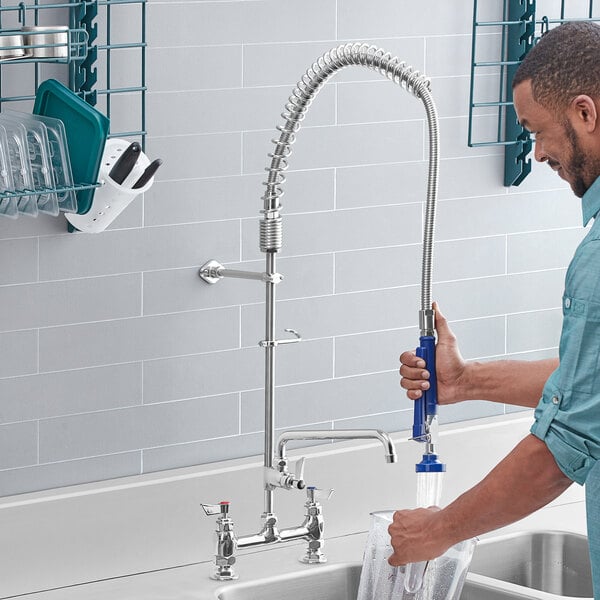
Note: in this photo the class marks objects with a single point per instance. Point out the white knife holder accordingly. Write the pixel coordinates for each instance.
(111, 199)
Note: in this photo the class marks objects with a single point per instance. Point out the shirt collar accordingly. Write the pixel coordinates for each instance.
(591, 202)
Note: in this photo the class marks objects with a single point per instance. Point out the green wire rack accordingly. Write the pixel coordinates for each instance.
(515, 29)
(79, 67)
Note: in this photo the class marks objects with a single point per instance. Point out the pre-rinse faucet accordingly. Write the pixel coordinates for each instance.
(312, 527)
(276, 474)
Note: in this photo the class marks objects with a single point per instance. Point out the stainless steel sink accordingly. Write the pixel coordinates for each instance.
(483, 591)
(552, 565)
(555, 562)
(339, 582)
(335, 582)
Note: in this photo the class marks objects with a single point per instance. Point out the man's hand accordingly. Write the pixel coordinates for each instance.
(450, 366)
(415, 536)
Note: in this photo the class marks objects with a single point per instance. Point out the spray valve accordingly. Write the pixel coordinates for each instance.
(425, 410)
(426, 405)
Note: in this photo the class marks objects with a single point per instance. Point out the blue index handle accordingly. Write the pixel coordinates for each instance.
(426, 405)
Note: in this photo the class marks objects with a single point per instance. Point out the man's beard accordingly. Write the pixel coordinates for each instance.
(582, 169)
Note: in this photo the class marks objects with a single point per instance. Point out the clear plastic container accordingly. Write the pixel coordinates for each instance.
(58, 156)
(41, 171)
(378, 578)
(444, 577)
(8, 204)
(20, 165)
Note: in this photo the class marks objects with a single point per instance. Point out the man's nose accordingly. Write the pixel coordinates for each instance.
(539, 153)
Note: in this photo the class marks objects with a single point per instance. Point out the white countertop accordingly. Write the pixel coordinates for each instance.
(146, 537)
(192, 582)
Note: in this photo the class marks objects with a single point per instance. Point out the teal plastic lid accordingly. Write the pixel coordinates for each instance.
(86, 130)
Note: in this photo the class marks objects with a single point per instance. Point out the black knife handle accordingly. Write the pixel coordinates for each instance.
(125, 163)
(147, 174)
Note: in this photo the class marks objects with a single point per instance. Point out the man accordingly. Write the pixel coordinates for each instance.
(556, 94)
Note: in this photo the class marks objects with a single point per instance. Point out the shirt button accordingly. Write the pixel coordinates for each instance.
(567, 302)
(555, 399)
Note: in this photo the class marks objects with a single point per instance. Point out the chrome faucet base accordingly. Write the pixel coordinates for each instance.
(313, 558)
(224, 575)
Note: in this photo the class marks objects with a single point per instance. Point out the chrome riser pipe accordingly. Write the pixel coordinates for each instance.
(269, 378)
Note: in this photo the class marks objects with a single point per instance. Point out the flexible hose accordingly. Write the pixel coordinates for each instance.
(298, 103)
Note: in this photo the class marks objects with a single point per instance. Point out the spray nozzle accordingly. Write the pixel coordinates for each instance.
(430, 464)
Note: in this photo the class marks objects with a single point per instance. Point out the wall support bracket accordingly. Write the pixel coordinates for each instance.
(520, 39)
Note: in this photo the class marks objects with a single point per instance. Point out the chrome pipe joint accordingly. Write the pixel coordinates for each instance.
(280, 477)
(314, 524)
(427, 322)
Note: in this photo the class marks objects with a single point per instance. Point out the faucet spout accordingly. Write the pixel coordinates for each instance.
(340, 434)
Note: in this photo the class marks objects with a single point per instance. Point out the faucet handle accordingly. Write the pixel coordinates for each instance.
(315, 494)
(298, 477)
(216, 509)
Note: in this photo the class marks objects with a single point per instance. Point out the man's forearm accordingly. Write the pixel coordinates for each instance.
(527, 479)
(517, 382)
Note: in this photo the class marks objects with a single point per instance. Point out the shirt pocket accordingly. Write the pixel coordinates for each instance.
(579, 345)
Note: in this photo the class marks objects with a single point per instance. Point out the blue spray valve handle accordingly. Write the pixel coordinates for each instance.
(428, 343)
(426, 405)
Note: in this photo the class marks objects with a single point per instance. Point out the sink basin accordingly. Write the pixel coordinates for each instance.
(339, 582)
(320, 582)
(481, 591)
(529, 565)
(555, 562)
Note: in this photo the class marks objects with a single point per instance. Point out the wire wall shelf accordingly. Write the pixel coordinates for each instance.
(503, 33)
(87, 61)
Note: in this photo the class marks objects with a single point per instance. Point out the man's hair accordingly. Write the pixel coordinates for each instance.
(563, 64)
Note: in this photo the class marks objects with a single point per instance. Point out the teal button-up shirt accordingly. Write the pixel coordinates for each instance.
(567, 417)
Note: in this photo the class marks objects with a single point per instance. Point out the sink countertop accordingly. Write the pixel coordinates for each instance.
(192, 582)
(144, 537)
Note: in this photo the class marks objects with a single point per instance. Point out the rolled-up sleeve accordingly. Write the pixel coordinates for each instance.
(567, 417)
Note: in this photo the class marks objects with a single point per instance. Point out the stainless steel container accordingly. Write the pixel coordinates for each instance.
(47, 42)
(11, 47)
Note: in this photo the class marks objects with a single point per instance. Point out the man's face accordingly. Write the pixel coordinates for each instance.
(556, 141)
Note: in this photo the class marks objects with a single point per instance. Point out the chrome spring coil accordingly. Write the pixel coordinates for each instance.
(295, 110)
(271, 232)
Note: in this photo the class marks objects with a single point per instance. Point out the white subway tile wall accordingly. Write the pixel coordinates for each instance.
(116, 359)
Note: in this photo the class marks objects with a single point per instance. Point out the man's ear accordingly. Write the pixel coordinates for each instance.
(583, 109)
